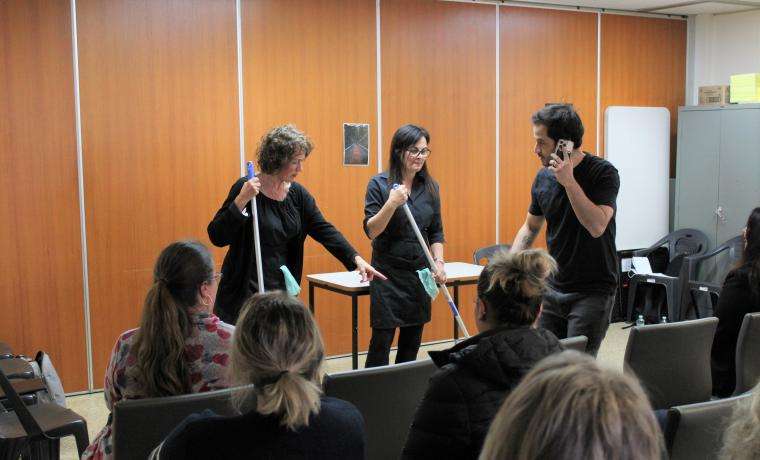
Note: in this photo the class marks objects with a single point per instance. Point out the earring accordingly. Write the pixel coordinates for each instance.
(204, 303)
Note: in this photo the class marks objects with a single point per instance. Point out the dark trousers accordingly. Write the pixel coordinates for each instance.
(573, 314)
(409, 339)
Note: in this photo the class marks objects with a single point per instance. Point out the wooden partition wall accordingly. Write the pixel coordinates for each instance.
(161, 132)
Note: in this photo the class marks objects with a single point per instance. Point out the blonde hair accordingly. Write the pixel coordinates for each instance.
(277, 347)
(741, 440)
(568, 407)
(512, 284)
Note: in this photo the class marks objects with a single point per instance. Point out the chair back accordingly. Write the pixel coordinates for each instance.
(139, 425)
(488, 252)
(696, 430)
(706, 274)
(747, 354)
(387, 397)
(672, 360)
(577, 343)
(30, 425)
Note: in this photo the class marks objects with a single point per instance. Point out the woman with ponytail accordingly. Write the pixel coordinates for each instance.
(477, 374)
(740, 295)
(180, 347)
(277, 348)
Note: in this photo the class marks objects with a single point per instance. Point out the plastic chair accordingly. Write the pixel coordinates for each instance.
(680, 244)
(16, 368)
(706, 274)
(135, 439)
(696, 430)
(35, 431)
(387, 397)
(488, 252)
(747, 353)
(672, 360)
(577, 343)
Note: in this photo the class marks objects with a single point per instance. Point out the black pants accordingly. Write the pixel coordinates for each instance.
(573, 314)
(409, 339)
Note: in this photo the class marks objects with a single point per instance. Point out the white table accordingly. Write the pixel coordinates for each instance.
(349, 283)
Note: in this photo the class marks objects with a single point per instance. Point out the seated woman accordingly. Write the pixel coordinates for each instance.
(476, 375)
(741, 440)
(180, 346)
(740, 295)
(569, 407)
(278, 348)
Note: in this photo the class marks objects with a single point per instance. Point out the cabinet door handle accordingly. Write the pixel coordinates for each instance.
(721, 213)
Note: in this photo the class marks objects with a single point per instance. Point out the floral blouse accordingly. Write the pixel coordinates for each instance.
(206, 351)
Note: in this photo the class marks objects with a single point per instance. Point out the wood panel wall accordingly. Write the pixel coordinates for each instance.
(439, 71)
(40, 238)
(313, 64)
(558, 64)
(644, 64)
(160, 140)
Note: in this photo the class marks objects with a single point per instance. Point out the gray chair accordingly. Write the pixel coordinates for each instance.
(695, 431)
(706, 274)
(681, 244)
(672, 361)
(577, 343)
(387, 397)
(748, 354)
(139, 425)
(488, 252)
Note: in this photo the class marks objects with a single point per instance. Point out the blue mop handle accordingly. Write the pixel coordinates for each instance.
(256, 241)
(431, 262)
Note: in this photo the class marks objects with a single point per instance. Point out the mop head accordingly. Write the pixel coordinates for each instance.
(291, 285)
(426, 278)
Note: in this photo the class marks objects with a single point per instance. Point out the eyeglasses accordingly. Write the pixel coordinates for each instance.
(414, 152)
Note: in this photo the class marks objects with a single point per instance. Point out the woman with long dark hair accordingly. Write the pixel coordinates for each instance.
(740, 295)
(401, 302)
(180, 347)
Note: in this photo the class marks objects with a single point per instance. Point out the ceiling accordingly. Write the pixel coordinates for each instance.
(661, 6)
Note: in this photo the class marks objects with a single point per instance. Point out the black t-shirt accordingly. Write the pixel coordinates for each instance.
(586, 264)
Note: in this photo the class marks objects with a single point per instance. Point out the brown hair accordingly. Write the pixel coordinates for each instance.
(568, 407)
(278, 347)
(512, 284)
(159, 345)
(279, 146)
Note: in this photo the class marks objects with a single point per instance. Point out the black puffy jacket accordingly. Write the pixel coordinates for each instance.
(464, 395)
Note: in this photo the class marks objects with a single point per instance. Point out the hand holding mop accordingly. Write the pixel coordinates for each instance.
(256, 241)
(426, 278)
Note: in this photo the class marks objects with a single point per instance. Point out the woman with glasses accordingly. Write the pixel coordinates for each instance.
(180, 346)
(287, 214)
(402, 301)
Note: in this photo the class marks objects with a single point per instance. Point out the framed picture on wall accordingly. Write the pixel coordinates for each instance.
(355, 144)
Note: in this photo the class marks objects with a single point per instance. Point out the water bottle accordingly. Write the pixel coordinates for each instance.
(640, 320)
(663, 320)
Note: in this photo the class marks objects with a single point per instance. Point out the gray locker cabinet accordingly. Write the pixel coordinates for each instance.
(718, 169)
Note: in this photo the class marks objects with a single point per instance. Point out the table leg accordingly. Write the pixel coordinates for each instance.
(311, 297)
(355, 331)
(456, 302)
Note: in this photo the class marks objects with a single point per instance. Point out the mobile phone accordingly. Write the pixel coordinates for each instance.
(564, 147)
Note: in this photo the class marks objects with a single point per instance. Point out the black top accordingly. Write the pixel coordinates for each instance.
(337, 432)
(283, 228)
(396, 252)
(474, 378)
(735, 301)
(586, 264)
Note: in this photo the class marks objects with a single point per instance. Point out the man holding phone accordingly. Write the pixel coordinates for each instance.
(575, 193)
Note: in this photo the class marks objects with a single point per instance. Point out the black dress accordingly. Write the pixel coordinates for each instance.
(283, 228)
(401, 300)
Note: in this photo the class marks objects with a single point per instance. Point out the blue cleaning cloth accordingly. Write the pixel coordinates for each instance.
(426, 278)
(291, 285)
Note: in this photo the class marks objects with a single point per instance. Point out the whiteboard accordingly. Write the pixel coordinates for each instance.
(637, 143)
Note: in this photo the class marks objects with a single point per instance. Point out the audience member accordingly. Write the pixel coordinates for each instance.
(741, 441)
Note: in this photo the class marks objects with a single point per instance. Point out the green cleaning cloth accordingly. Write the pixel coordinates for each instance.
(291, 285)
(426, 278)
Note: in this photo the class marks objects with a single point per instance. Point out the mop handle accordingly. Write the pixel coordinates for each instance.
(256, 240)
(431, 262)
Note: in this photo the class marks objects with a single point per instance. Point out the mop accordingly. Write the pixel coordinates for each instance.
(426, 278)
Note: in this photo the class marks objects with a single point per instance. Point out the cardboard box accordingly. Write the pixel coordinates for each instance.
(745, 87)
(714, 95)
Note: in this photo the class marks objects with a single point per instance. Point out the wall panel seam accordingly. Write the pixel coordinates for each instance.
(241, 102)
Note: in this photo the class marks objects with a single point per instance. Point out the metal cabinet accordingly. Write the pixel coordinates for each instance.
(718, 169)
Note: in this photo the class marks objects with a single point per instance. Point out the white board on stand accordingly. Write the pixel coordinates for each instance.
(637, 143)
